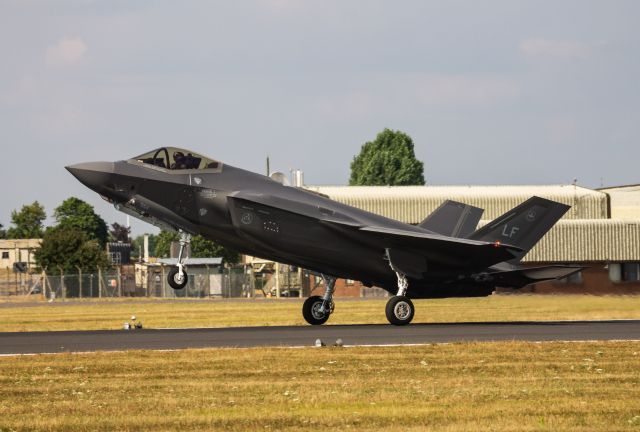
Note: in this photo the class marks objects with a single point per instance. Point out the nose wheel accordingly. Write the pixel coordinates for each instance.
(177, 277)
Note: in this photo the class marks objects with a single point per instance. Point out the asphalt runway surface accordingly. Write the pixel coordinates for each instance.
(376, 334)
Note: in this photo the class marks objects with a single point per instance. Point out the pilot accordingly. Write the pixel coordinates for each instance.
(179, 160)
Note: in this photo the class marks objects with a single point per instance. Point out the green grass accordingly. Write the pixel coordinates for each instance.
(111, 314)
(506, 386)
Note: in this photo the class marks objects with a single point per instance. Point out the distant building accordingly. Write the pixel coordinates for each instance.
(205, 279)
(18, 251)
(119, 253)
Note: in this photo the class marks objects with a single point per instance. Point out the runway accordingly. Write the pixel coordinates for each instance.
(165, 339)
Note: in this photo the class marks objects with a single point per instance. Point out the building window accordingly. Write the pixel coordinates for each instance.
(624, 272)
(5, 255)
(575, 279)
(630, 272)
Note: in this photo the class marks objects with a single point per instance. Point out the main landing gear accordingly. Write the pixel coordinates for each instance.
(316, 309)
(399, 308)
(177, 277)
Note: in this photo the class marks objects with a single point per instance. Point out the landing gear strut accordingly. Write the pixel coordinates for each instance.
(400, 309)
(177, 277)
(316, 309)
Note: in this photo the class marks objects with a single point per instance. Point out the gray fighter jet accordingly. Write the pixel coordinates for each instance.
(444, 256)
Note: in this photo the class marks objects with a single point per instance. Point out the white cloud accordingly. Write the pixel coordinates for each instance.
(61, 120)
(562, 128)
(464, 89)
(67, 52)
(540, 47)
(404, 94)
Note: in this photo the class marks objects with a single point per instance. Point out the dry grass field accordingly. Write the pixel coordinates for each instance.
(508, 386)
(110, 314)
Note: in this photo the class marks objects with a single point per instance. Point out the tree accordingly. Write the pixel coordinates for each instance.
(388, 160)
(69, 248)
(163, 243)
(3, 232)
(75, 213)
(137, 245)
(200, 247)
(28, 222)
(119, 233)
(203, 248)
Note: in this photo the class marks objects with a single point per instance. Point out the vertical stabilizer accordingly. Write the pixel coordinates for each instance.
(453, 219)
(524, 225)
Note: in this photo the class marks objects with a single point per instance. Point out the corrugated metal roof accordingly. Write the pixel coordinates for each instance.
(625, 201)
(411, 204)
(589, 240)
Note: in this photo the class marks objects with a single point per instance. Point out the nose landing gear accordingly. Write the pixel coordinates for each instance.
(177, 277)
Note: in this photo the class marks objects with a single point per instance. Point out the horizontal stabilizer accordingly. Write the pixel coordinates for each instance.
(524, 225)
(453, 219)
(526, 276)
(448, 251)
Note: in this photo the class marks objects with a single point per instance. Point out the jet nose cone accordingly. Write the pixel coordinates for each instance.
(92, 174)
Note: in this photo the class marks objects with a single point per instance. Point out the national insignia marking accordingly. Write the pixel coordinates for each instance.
(246, 218)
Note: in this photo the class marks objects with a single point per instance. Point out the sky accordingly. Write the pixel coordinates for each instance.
(492, 92)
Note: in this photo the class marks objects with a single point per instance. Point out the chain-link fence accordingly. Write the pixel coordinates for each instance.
(150, 280)
(130, 281)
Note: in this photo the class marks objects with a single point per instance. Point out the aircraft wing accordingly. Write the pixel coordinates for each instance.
(448, 251)
(295, 207)
(415, 252)
(520, 277)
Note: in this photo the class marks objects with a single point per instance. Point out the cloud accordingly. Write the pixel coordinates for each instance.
(279, 4)
(404, 94)
(540, 47)
(67, 52)
(465, 89)
(61, 120)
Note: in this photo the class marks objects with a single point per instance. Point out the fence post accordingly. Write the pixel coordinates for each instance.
(44, 284)
(208, 281)
(63, 288)
(99, 282)
(79, 281)
(277, 280)
(162, 281)
(119, 282)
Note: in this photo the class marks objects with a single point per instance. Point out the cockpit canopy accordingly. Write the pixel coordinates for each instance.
(173, 158)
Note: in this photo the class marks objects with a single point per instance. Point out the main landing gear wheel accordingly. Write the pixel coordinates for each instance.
(400, 310)
(176, 280)
(313, 312)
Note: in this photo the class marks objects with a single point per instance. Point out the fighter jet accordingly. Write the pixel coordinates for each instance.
(443, 256)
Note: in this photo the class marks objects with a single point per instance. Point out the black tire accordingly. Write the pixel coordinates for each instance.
(400, 310)
(174, 281)
(310, 311)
